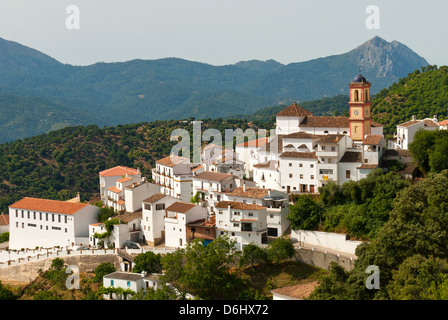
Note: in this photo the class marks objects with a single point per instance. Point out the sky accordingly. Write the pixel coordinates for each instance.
(220, 32)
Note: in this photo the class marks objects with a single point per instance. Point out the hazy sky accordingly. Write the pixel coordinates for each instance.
(221, 31)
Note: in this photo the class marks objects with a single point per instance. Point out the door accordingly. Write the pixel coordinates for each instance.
(312, 188)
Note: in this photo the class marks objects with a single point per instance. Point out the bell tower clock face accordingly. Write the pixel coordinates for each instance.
(356, 112)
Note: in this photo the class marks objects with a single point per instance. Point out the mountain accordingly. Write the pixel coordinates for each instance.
(381, 62)
(172, 88)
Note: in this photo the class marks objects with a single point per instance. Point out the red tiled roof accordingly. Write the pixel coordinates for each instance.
(171, 161)
(119, 171)
(124, 179)
(181, 207)
(326, 121)
(299, 155)
(4, 219)
(213, 176)
(154, 198)
(254, 143)
(331, 138)
(294, 110)
(299, 291)
(46, 205)
(114, 189)
(351, 156)
(372, 139)
(250, 192)
(239, 205)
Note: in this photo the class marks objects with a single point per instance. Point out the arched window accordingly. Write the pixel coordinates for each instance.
(356, 97)
(345, 132)
(325, 131)
(366, 94)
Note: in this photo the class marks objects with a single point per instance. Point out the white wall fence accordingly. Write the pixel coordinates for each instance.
(13, 258)
(328, 240)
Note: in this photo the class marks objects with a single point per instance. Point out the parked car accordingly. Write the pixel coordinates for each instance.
(131, 245)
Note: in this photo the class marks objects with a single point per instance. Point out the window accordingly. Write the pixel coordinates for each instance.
(312, 176)
(46, 216)
(311, 165)
(59, 218)
(236, 213)
(333, 148)
(347, 174)
(236, 224)
(323, 148)
(65, 219)
(220, 211)
(40, 215)
(52, 217)
(301, 176)
(111, 283)
(22, 213)
(250, 214)
(34, 215)
(290, 175)
(55, 228)
(290, 164)
(28, 214)
(160, 206)
(300, 165)
(17, 213)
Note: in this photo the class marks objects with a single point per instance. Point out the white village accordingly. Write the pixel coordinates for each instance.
(241, 192)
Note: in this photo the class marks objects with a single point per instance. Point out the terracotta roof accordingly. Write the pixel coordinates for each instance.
(351, 156)
(430, 123)
(154, 198)
(302, 146)
(124, 179)
(267, 164)
(397, 152)
(289, 146)
(121, 202)
(171, 161)
(4, 219)
(181, 207)
(325, 121)
(299, 291)
(114, 189)
(256, 193)
(294, 110)
(331, 138)
(375, 124)
(372, 139)
(239, 205)
(119, 171)
(409, 167)
(254, 143)
(299, 155)
(301, 135)
(213, 176)
(197, 168)
(443, 123)
(367, 166)
(128, 216)
(46, 205)
(408, 123)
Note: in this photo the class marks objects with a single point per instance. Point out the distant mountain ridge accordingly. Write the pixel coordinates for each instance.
(173, 88)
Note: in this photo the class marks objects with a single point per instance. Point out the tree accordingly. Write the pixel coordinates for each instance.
(6, 294)
(252, 254)
(304, 214)
(148, 262)
(280, 249)
(196, 198)
(102, 270)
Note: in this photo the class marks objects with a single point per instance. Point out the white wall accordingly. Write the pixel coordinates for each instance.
(331, 241)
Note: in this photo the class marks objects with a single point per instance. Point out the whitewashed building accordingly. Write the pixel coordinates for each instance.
(407, 130)
(173, 174)
(276, 204)
(47, 223)
(153, 218)
(211, 187)
(137, 282)
(177, 216)
(244, 222)
(109, 177)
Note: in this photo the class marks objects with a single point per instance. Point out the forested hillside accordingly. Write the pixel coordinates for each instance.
(59, 164)
(423, 93)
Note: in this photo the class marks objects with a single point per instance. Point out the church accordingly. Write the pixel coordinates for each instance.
(309, 151)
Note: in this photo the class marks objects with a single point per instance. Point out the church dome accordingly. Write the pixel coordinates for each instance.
(359, 78)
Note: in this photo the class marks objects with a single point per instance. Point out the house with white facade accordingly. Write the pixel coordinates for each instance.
(276, 203)
(266, 175)
(407, 130)
(212, 186)
(244, 222)
(247, 152)
(128, 229)
(177, 216)
(153, 218)
(109, 177)
(47, 223)
(173, 174)
(4, 223)
(137, 282)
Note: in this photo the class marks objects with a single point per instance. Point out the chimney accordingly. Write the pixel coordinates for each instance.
(414, 117)
(78, 197)
(244, 186)
(435, 117)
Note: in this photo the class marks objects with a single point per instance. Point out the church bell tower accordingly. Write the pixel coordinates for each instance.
(360, 121)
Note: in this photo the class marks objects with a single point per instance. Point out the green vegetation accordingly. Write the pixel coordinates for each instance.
(4, 237)
(358, 209)
(430, 150)
(423, 93)
(409, 249)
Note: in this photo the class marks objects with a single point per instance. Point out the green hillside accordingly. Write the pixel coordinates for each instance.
(423, 93)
